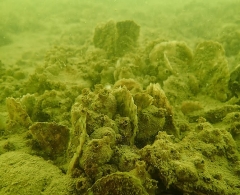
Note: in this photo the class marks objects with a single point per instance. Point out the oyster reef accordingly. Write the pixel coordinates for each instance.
(135, 99)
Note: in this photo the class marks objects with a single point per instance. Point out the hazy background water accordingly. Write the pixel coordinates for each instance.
(41, 23)
(31, 28)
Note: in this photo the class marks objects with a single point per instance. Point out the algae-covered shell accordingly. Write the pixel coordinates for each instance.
(126, 157)
(127, 108)
(131, 84)
(104, 102)
(105, 37)
(170, 57)
(160, 100)
(151, 120)
(116, 38)
(172, 49)
(142, 100)
(118, 183)
(234, 82)
(211, 68)
(17, 113)
(52, 137)
(230, 38)
(97, 152)
(104, 132)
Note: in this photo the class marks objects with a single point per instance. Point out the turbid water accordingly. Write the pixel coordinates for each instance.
(119, 97)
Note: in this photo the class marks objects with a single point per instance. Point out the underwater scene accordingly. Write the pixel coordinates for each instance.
(117, 97)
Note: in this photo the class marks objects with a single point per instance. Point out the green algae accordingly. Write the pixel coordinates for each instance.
(112, 110)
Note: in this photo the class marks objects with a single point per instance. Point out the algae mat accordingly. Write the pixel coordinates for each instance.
(119, 97)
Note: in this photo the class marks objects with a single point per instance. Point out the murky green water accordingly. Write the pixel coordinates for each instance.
(119, 97)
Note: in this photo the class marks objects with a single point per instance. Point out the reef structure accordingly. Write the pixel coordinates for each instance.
(131, 119)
